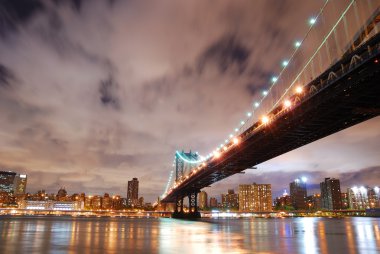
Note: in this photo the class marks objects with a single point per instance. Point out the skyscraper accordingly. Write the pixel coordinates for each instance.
(7, 181)
(213, 202)
(133, 192)
(230, 200)
(202, 200)
(298, 193)
(20, 184)
(255, 198)
(331, 195)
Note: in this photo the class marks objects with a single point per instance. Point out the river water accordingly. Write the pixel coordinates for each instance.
(23, 234)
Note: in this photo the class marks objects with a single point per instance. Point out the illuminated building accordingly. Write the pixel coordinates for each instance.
(141, 202)
(363, 197)
(298, 193)
(255, 198)
(107, 202)
(96, 202)
(213, 202)
(345, 203)
(331, 195)
(88, 203)
(314, 202)
(52, 205)
(20, 184)
(284, 202)
(202, 200)
(230, 200)
(133, 192)
(7, 181)
(117, 202)
(62, 194)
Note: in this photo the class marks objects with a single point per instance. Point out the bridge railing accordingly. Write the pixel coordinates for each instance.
(341, 26)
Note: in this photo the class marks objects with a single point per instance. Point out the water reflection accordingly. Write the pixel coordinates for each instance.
(152, 235)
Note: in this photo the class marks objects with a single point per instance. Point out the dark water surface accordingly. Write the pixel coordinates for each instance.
(162, 235)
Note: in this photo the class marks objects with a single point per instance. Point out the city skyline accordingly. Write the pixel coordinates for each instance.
(128, 114)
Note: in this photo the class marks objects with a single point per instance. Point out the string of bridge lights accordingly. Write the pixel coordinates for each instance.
(234, 139)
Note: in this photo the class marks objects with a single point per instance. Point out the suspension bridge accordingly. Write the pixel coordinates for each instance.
(330, 82)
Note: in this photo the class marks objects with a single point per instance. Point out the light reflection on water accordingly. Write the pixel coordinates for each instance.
(152, 235)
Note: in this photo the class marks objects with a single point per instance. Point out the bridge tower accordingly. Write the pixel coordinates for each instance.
(184, 162)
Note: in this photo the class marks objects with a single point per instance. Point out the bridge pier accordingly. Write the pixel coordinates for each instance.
(193, 207)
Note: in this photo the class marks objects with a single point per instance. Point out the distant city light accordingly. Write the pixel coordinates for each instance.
(304, 179)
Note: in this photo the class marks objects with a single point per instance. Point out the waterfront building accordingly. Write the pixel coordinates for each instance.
(314, 202)
(96, 202)
(202, 200)
(331, 195)
(88, 202)
(52, 205)
(7, 182)
(213, 202)
(283, 202)
(298, 193)
(62, 194)
(255, 198)
(141, 202)
(345, 203)
(117, 202)
(363, 198)
(230, 200)
(133, 192)
(107, 202)
(20, 184)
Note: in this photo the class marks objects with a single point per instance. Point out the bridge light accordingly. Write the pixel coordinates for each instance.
(216, 154)
(226, 141)
(312, 21)
(287, 103)
(274, 79)
(249, 114)
(265, 119)
(265, 93)
(256, 104)
(231, 135)
(297, 44)
(236, 141)
(285, 63)
(299, 89)
(225, 148)
(204, 164)
(242, 122)
(236, 129)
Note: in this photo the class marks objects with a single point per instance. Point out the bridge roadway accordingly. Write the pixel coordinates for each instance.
(344, 95)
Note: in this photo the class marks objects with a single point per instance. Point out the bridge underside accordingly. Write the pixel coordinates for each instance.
(350, 97)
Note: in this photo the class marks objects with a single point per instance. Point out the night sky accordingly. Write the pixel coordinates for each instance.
(93, 93)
